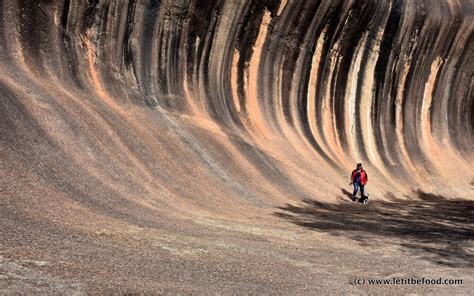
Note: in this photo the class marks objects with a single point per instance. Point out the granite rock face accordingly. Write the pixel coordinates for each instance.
(124, 118)
(104, 86)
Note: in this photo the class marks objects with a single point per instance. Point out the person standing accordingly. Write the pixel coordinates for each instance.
(359, 178)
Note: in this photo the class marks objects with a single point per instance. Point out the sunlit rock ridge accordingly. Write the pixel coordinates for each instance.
(145, 108)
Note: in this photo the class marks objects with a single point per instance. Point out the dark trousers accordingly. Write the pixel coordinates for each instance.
(356, 188)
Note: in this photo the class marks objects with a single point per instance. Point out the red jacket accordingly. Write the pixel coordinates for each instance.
(363, 176)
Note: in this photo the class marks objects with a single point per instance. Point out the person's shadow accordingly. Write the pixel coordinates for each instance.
(347, 193)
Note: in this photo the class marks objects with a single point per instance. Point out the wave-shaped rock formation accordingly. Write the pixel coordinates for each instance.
(127, 113)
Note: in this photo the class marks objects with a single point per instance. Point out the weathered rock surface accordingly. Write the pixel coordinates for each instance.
(162, 146)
